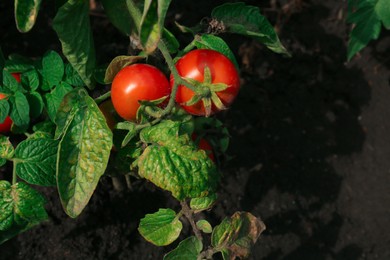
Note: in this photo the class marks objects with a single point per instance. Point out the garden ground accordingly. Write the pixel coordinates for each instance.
(310, 148)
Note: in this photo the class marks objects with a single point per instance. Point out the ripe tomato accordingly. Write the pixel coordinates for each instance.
(204, 145)
(109, 113)
(5, 126)
(134, 83)
(222, 70)
(16, 76)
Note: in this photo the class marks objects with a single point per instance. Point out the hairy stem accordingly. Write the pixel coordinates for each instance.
(188, 213)
(14, 176)
(103, 97)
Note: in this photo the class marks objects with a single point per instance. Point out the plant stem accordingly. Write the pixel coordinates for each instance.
(207, 254)
(103, 97)
(14, 176)
(188, 213)
(189, 47)
(178, 80)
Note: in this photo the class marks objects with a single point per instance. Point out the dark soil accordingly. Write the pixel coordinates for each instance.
(310, 146)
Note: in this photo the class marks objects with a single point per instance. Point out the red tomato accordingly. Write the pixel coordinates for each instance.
(134, 83)
(192, 65)
(16, 76)
(5, 126)
(205, 146)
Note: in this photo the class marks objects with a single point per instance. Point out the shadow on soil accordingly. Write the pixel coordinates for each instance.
(294, 116)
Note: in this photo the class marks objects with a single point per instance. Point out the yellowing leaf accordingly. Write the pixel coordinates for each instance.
(83, 152)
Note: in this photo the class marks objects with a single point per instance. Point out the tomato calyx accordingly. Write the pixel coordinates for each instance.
(206, 92)
(151, 107)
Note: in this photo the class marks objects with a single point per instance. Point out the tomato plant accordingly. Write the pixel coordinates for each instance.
(204, 145)
(215, 78)
(16, 76)
(367, 17)
(64, 111)
(136, 83)
(5, 126)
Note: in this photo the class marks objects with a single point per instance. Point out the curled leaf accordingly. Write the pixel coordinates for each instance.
(235, 235)
(173, 162)
(84, 149)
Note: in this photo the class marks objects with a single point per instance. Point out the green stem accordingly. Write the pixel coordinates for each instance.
(189, 47)
(177, 78)
(135, 13)
(14, 176)
(103, 97)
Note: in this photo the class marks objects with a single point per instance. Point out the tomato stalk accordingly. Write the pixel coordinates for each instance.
(188, 213)
(103, 97)
(14, 176)
(178, 81)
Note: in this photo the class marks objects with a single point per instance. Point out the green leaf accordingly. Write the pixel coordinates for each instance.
(30, 79)
(20, 109)
(20, 206)
(36, 104)
(74, 31)
(382, 8)
(52, 69)
(152, 23)
(367, 19)
(6, 149)
(188, 249)
(204, 203)
(212, 42)
(4, 109)
(83, 152)
(119, 63)
(119, 16)
(18, 63)
(35, 161)
(54, 99)
(205, 226)
(235, 235)
(132, 131)
(173, 162)
(160, 228)
(100, 73)
(246, 20)
(9, 82)
(43, 129)
(72, 77)
(126, 156)
(26, 12)
(220, 138)
(170, 41)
